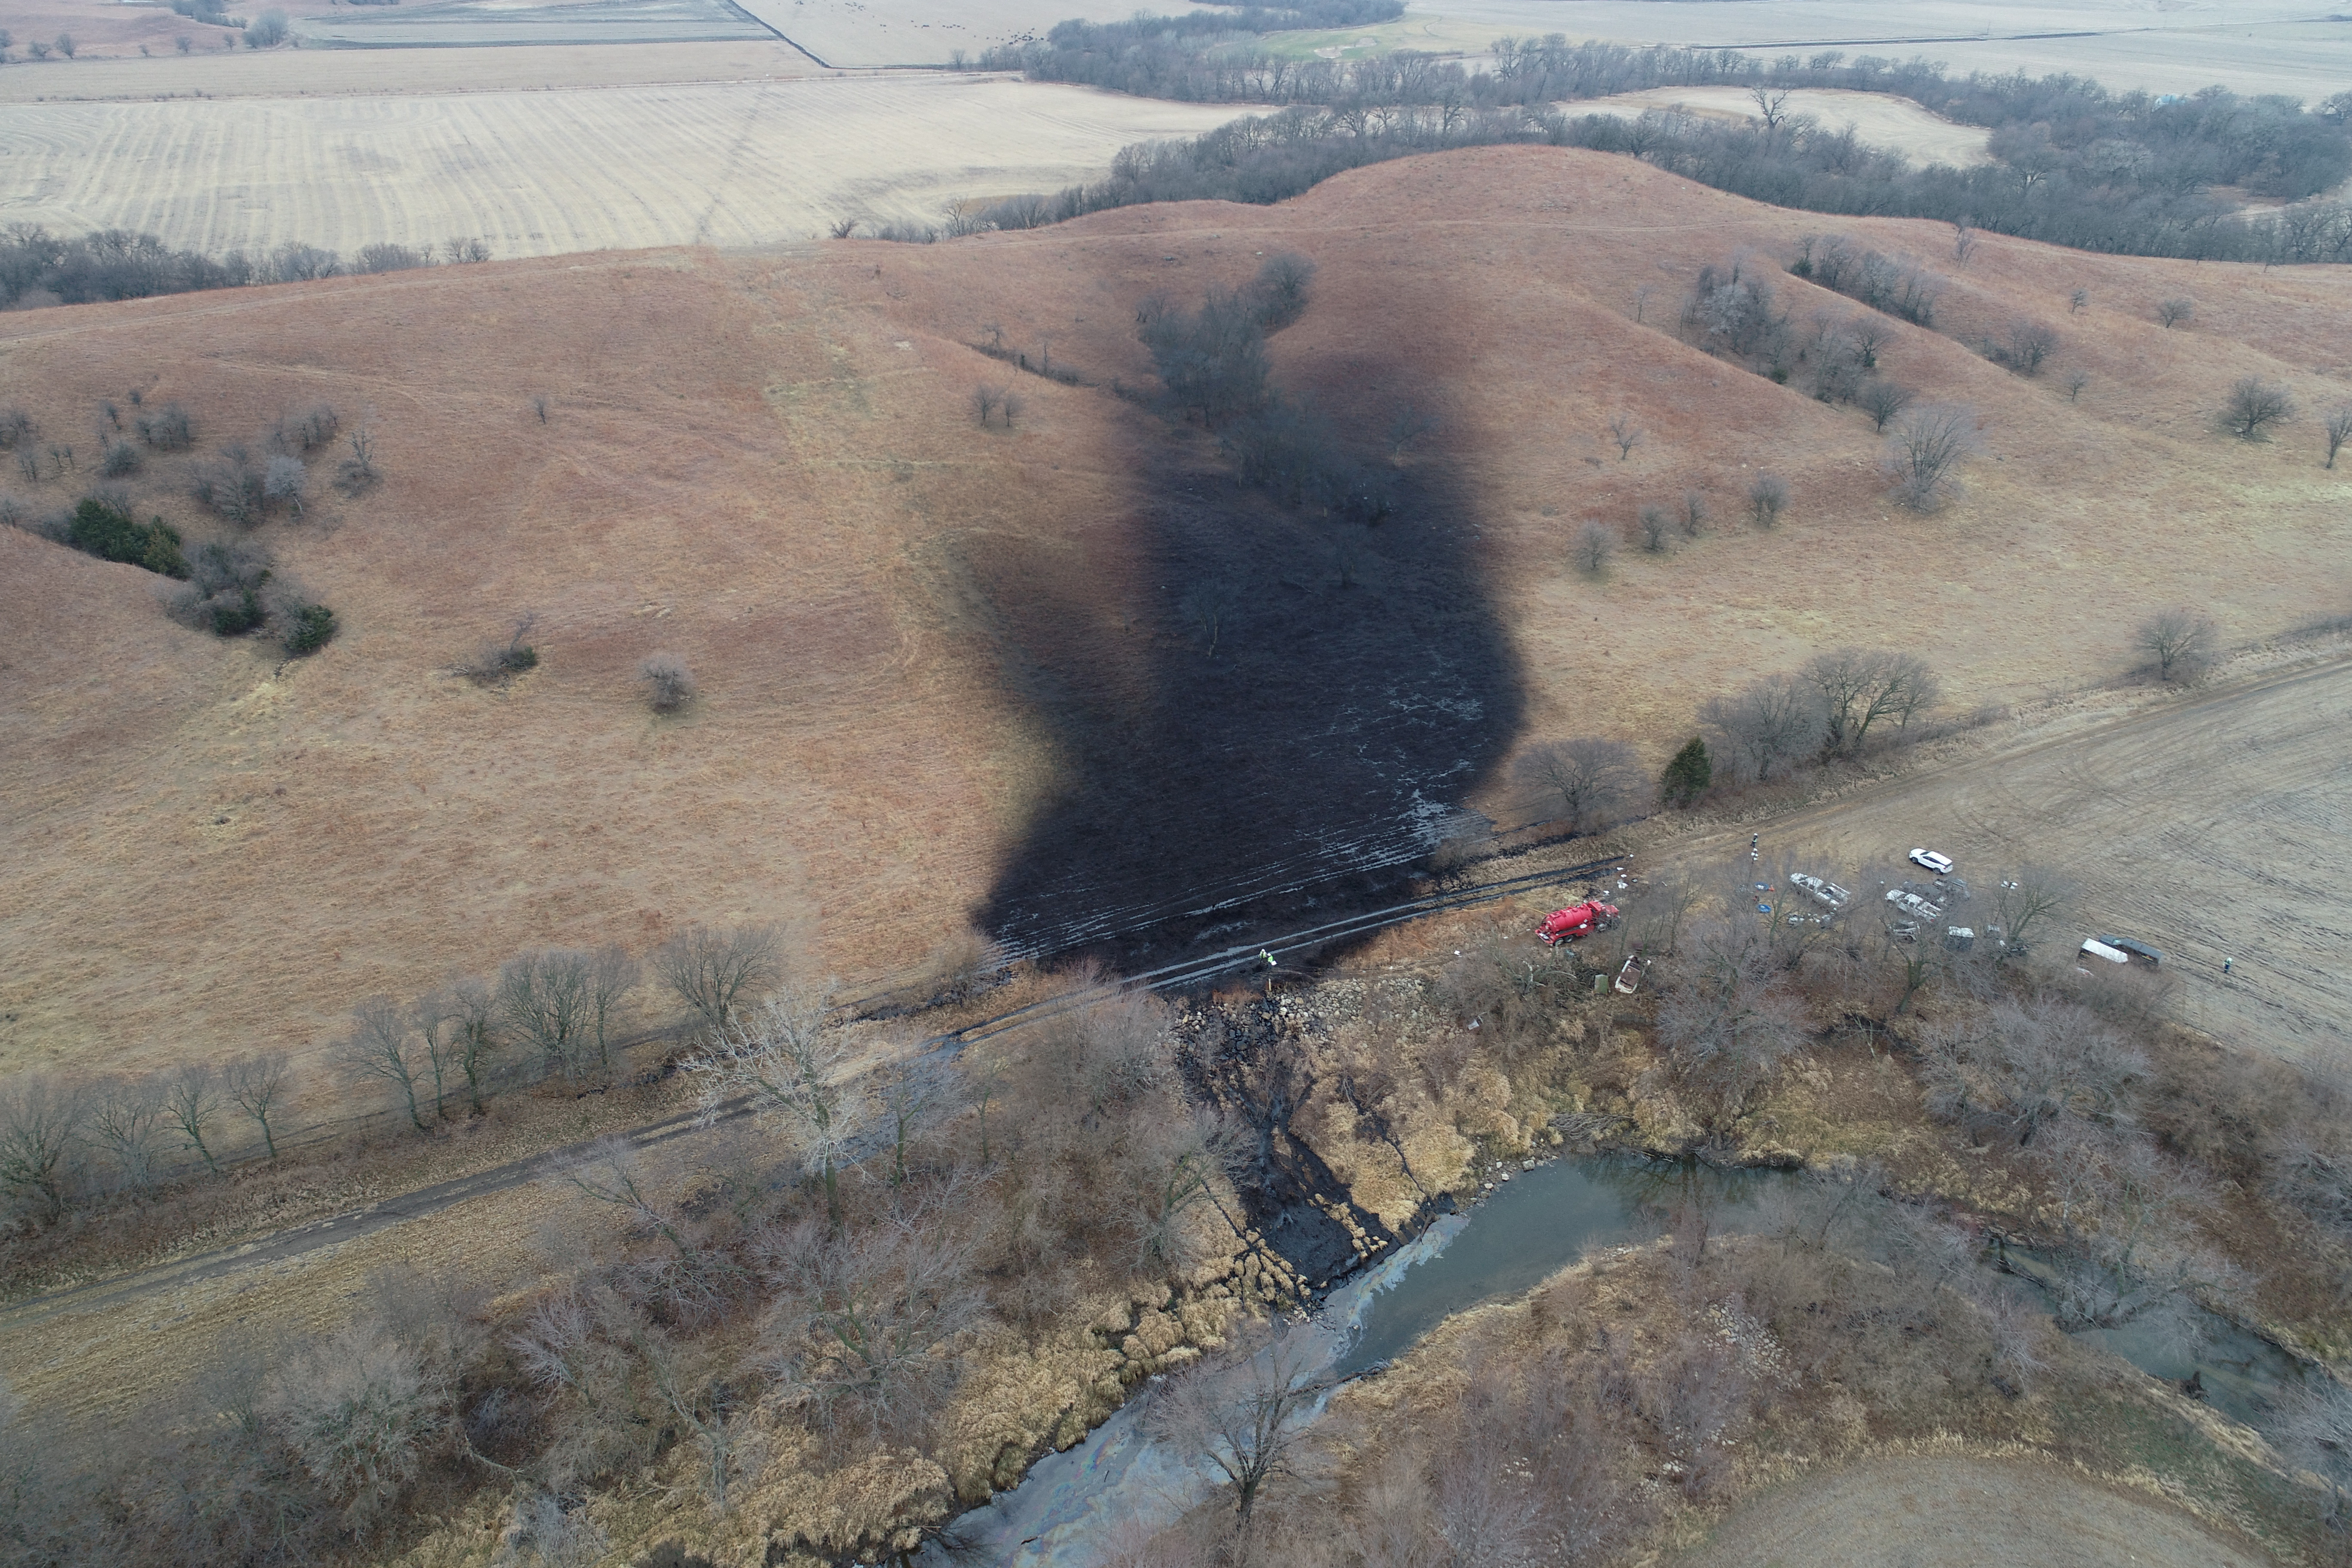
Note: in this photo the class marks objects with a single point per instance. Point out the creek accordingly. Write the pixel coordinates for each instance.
(1531, 1224)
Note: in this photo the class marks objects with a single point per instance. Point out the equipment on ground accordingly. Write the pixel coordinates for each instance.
(1576, 920)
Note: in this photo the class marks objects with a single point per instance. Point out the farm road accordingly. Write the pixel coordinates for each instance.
(2217, 827)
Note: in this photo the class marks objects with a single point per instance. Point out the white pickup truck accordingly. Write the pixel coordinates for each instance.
(1914, 905)
(1821, 889)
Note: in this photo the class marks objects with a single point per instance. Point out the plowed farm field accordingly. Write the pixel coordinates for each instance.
(2217, 828)
(547, 173)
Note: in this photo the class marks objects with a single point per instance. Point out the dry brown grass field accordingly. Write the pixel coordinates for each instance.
(767, 465)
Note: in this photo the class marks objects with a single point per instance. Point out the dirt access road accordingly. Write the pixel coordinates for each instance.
(2215, 828)
(1959, 1513)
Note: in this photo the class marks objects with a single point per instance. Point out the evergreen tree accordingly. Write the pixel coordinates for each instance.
(1688, 777)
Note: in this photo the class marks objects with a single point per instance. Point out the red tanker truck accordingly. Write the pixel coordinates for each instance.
(1576, 920)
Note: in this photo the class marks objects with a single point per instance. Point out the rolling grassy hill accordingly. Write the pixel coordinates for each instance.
(951, 674)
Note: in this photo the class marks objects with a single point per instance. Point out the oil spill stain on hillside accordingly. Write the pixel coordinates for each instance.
(1258, 712)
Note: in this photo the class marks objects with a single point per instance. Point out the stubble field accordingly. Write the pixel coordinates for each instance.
(922, 645)
(542, 172)
(2272, 45)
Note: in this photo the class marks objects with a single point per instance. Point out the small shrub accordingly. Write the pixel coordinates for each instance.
(2172, 312)
(302, 434)
(1655, 523)
(233, 488)
(1280, 289)
(669, 685)
(495, 663)
(167, 429)
(284, 481)
(357, 473)
(306, 628)
(1694, 514)
(122, 460)
(1594, 546)
(108, 532)
(2253, 406)
(16, 429)
(1767, 498)
(223, 594)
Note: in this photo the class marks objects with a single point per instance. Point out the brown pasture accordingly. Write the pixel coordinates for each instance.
(765, 463)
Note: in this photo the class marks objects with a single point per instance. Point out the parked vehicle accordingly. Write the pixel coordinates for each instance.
(1821, 890)
(1576, 920)
(1912, 904)
(2093, 948)
(1959, 939)
(1939, 864)
(2137, 952)
(1629, 977)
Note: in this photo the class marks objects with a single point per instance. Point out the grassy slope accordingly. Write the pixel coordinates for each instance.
(765, 464)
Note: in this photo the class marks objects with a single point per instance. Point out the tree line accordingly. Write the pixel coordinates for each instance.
(2074, 165)
(37, 268)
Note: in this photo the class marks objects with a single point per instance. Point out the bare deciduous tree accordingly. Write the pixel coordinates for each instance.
(2076, 380)
(1859, 687)
(1656, 525)
(860, 1311)
(712, 969)
(2178, 643)
(1589, 779)
(1413, 420)
(2028, 898)
(127, 1120)
(1627, 434)
(1693, 516)
(2078, 301)
(2022, 1066)
(1771, 106)
(1766, 723)
(1767, 498)
(1882, 400)
(359, 1410)
(1923, 455)
(1244, 1415)
(792, 1068)
(466, 1019)
(1595, 543)
(1726, 1022)
(543, 999)
(193, 1094)
(2253, 406)
(255, 1084)
(2310, 1423)
(2025, 347)
(612, 975)
(2174, 311)
(2339, 430)
(40, 1121)
(986, 399)
(382, 1045)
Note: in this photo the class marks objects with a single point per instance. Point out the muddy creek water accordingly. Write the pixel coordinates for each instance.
(1528, 1227)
